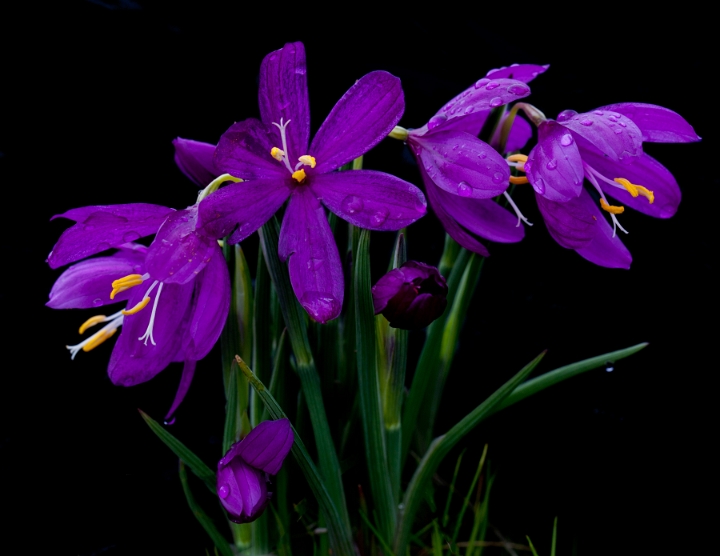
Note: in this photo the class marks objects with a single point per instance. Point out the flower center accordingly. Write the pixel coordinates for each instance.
(281, 155)
(133, 280)
(107, 331)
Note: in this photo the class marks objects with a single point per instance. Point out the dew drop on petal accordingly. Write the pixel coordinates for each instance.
(320, 305)
(352, 204)
(622, 124)
(223, 492)
(482, 155)
(464, 190)
(539, 185)
(612, 117)
(492, 85)
(566, 140)
(130, 236)
(379, 218)
(97, 302)
(586, 122)
(498, 177)
(469, 109)
(480, 82)
(497, 101)
(551, 165)
(565, 115)
(518, 89)
(315, 264)
(618, 131)
(436, 121)
(599, 112)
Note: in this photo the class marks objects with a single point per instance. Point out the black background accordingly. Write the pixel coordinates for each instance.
(93, 94)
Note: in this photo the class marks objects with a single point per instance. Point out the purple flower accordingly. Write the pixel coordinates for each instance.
(177, 291)
(242, 475)
(604, 146)
(195, 160)
(411, 296)
(274, 158)
(461, 173)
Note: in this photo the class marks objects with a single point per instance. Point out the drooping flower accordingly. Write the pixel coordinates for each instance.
(604, 146)
(195, 160)
(274, 159)
(410, 296)
(461, 173)
(242, 475)
(177, 291)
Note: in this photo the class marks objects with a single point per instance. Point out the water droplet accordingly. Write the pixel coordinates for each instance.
(565, 115)
(518, 89)
(320, 306)
(170, 422)
(498, 177)
(482, 155)
(223, 492)
(480, 82)
(539, 185)
(469, 109)
(97, 302)
(552, 164)
(612, 117)
(314, 264)
(130, 236)
(436, 121)
(599, 112)
(352, 204)
(300, 70)
(618, 131)
(497, 101)
(586, 122)
(492, 85)
(455, 147)
(622, 124)
(609, 367)
(464, 190)
(401, 507)
(566, 140)
(379, 218)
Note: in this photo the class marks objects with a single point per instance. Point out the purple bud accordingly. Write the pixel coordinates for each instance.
(411, 296)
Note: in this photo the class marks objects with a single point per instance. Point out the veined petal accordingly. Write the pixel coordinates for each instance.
(86, 284)
(178, 253)
(554, 167)
(521, 72)
(195, 160)
(244, 151)
(462, 164)
(283, 94)
(657, 124)
(610, 133)
(315, 269)
(571, 223)
(369, 199)
(266, 446)
(645, 171)
(100, 228)
(241, 208)
(365, 115)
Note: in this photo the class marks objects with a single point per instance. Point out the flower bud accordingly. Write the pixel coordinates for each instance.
(411, 296)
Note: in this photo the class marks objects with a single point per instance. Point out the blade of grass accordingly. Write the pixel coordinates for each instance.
(554, 538)
(466, 502)
(451, 490)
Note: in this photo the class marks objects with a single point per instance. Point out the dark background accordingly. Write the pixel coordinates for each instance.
(93, 94)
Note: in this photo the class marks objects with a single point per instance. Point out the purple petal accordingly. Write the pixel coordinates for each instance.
(283, 95)
(365, 115)
(645, 171)
(370, 199)
(185, 380)
(132, 361)
(520, 133)
(195, 160)
(573, 224)
(554, 167)
(315, 269)
(611, 133)
(657, 124)
(242, 490)
(209, 309)
(483, 217)
(179, 253)
(266, 447)
(240, 209)
(100, 228)
(605, 250)
(244, 151)
(423, 310)
(87, 284)
(521, 72)
(462, 164)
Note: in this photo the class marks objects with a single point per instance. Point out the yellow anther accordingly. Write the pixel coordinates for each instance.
(307, 160)
(649, 195)
(125, 283)
(518, 180)
(139, 307)
(277, 154)
(92, 321)
(517, 158)
(636, 190)
(611, 208)
(299, 175)
(98, 338)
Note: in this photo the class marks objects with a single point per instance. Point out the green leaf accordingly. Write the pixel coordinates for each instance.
(195, 464)
(262, 333)
(554, 538)
(532, 548)
(217, 538)
(466, 502)
(232, 413)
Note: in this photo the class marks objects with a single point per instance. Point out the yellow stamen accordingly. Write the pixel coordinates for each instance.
(307, 160)
(139, 307)
(92, 321)
(98, 339)
(277, 154)
(299, 175)
(636, 190)
(611, 208)
(518, 180)
(517, 158)
(125, 283)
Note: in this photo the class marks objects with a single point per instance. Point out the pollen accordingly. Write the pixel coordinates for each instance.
(98, 338)
(611, 208)
(299, 175)
(518, 180)
(307, 160)
(92, 321)
(277, 154)
(517, 158)
(139, 307)
(636, 190)
(125, 283)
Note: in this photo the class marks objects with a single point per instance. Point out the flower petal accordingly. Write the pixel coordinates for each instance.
(188, 373)
(87, 284)
(605, 250)
(370, 199)
(462, 164)
(178, 252)
(520, 133)
(100, 228)
(195, 160)
(657, 124)
(283, 94)
(267, 445)
(554, 167)
(645, 171)
(611, 133)
(240, 209)
(244, 151)
(521, 72)
(365, 115)
(570, 223)
(315, 269)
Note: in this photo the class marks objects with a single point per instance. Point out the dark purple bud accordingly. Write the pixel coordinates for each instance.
(242, 475)
(411, 296)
